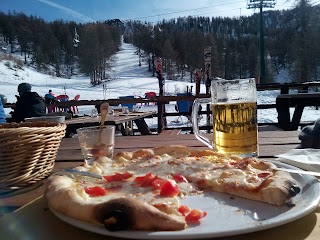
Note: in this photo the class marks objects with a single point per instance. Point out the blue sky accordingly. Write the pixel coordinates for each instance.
(144, 10)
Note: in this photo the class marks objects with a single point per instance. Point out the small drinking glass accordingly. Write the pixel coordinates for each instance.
(110, 111)
(94, 112)
(125, 110)
(94, 145)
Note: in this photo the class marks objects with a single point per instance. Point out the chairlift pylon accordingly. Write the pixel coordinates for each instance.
(76, 38)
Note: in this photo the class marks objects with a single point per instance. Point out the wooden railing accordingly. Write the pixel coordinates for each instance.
(162, 100)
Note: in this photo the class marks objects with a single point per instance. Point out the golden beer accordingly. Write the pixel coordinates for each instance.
(235, 128)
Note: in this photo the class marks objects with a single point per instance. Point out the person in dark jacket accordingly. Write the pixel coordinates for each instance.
(29, 104)
(50, 98)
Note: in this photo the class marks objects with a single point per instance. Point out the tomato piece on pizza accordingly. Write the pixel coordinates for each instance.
(117, 177)
(179, 178)
(195, 215)
(158, 182)
(95, 191)
(184, 210)
(169, 189)
(146, 180)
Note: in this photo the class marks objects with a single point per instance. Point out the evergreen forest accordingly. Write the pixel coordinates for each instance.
(291, 44)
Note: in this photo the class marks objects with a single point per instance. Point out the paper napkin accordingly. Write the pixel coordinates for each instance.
(308, 158)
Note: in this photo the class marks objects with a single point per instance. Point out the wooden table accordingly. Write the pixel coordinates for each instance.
(35, 221)
(123, 122)
(298, 101)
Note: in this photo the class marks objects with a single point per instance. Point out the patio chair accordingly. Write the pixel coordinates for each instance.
(63, 98)
(184, 107)
(129, 105)
(74, 108)
(149, 95)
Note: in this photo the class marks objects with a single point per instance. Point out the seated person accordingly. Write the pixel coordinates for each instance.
(50, 97)
(29, 104)
(2, 113)
(310, 136)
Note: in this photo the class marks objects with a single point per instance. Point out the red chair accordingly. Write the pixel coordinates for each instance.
(149, 95)
(63, 98)
(74, 109)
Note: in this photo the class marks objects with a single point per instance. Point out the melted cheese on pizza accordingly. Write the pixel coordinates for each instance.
(216, 173)
(128, 188)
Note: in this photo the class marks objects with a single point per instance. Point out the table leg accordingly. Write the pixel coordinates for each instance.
(296, 117)
(125, 129)
(283, 109)
(142, 126)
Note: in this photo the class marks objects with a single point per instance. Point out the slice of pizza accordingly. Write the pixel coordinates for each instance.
(142, 190)
(114, 207)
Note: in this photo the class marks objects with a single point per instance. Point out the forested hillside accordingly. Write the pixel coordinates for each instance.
(60, 46)
(291, 44)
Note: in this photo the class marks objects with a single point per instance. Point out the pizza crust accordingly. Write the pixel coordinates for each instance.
(278, 189)
(67, 197)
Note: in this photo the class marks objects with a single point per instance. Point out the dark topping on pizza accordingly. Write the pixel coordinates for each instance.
(117, 220)
(294, 190)
(115, 215)
(129, 213)
(290, 204)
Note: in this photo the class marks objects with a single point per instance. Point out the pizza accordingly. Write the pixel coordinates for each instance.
(142, 190)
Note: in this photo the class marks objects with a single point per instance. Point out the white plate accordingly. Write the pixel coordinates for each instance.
(227, 215)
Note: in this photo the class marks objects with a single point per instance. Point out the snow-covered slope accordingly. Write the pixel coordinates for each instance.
(126, 78)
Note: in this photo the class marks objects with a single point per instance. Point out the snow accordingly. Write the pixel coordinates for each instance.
(127, 78)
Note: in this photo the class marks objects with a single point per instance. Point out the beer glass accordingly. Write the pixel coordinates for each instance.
(234, 117)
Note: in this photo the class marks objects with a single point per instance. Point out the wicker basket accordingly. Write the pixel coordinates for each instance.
(27, 152)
